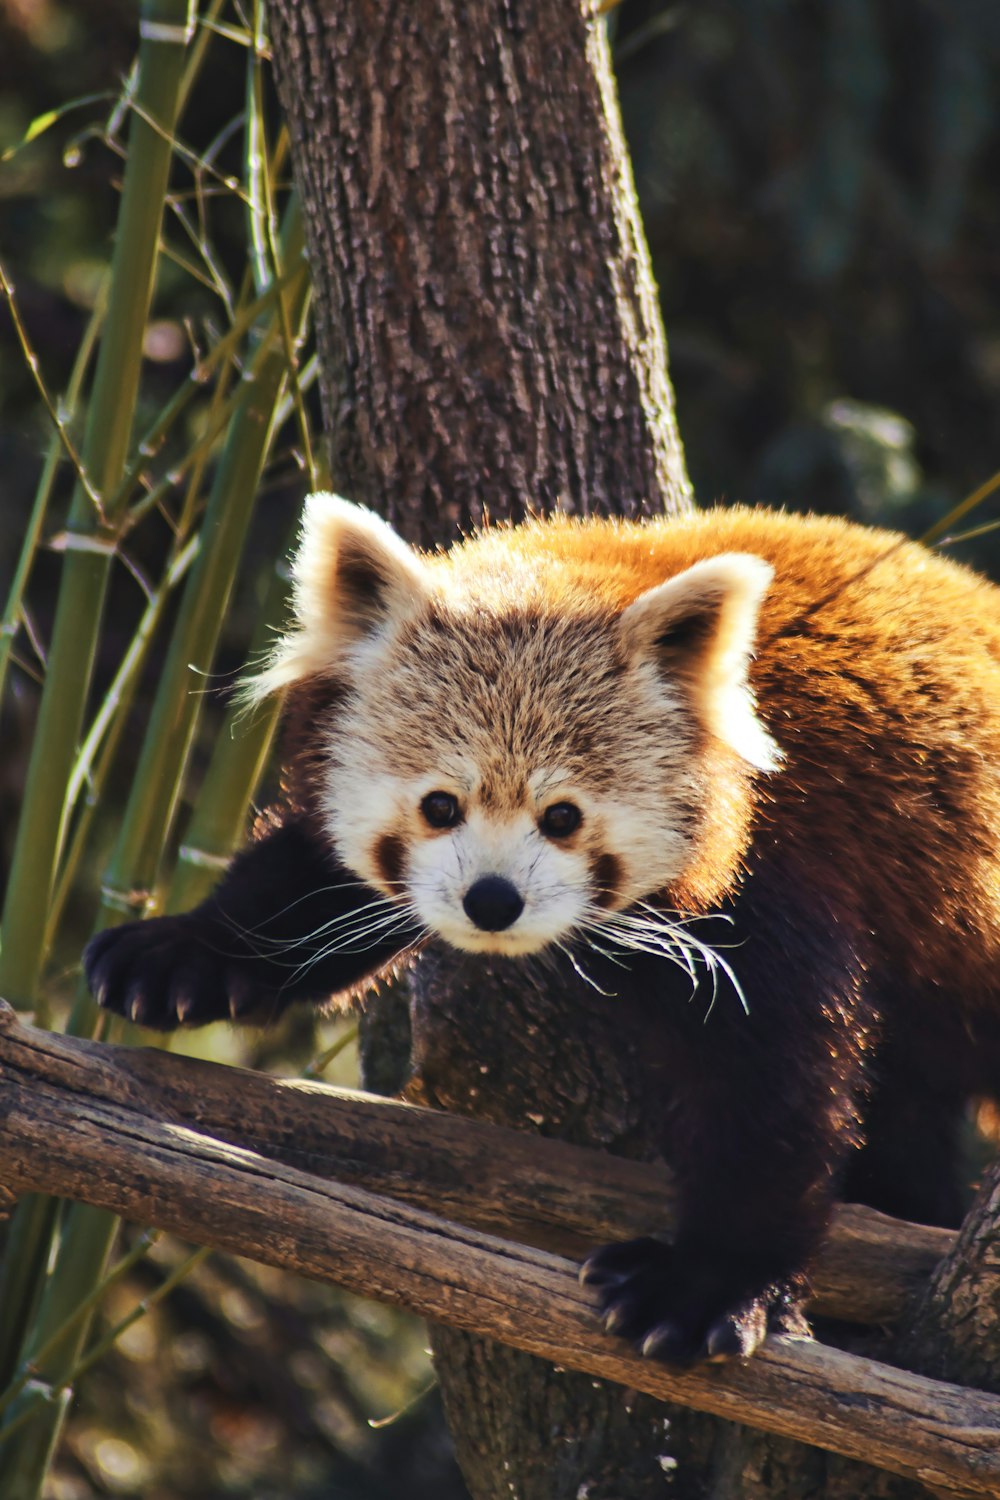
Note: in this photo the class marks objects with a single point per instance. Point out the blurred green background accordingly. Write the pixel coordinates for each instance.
(819, 182)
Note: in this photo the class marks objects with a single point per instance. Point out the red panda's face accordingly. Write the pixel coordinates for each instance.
(510, 776)
(513, 768)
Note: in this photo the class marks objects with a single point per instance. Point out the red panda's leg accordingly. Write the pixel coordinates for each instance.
(764, 1110)
(910, 1165)
(287, 923)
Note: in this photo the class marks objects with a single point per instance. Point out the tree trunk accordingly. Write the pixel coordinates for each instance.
(488, 325)
(491, 344)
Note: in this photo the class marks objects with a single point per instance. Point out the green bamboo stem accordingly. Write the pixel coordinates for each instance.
(101, 1348)
(28, 1439)
(258, 206)
(97, 751)
(322, 1061)
(56, 417)
(27, 1400)
(57, 1304)
(227, 345)
(85, 573)
(34, 1419)
(87, 1236)
(159, 776)
(192, 463)
(222, 407)
(79, 608)
(29, 546)
(143, 1244)
(200, 42)
(238, 762)
(31, 1229)
(92, 527)
(43, 494)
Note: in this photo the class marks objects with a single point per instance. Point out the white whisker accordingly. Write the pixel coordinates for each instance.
(362, 939)
(644, 929)
(339, 932)
(582, 973)
(260, 936)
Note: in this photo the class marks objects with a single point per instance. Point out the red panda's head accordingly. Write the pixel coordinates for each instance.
(513, 755)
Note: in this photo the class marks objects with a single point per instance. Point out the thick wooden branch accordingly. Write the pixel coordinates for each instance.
(54, 1139)
(543, 1192)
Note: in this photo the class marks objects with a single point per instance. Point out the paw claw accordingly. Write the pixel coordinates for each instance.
(616, 1319)
(592, 1273)
(183, 1005)
(662, 1342)
(725, 1341)
(240, 998)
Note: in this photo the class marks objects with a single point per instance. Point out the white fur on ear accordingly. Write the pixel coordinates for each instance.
(350, 574)
(699, 628)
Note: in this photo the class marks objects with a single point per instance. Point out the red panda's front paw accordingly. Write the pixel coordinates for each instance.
(164, 973)
(682, 1306)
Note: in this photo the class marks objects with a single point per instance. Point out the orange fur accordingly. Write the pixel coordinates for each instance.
(877, 670)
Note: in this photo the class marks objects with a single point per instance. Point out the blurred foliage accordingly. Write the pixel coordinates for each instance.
(248, 1382)
(818, 181)
(819, 185)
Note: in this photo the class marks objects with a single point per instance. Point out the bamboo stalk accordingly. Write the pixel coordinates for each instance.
(92, 526)
(81, 595)
(53, 1307)
(97, 752)
(138, 1251)
(151, 810)
(87, 1235)
(238, 762)
(53, 458)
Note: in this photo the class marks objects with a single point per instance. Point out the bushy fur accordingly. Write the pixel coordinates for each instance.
(786, 728)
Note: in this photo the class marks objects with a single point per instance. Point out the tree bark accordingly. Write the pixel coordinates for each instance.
(953, 1333)
(544, 1193)
(488, 326)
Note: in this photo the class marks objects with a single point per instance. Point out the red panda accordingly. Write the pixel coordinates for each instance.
(743, 766)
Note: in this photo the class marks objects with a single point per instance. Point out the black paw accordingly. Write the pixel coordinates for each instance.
(684, 1305)
(169, 972)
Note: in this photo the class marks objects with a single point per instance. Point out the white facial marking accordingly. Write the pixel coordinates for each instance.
(552, 883)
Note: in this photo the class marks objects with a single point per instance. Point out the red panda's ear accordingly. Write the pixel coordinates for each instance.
(698, 629)
(351, 574)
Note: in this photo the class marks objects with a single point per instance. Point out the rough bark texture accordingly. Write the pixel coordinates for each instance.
(545, 1193)
(553, 1054)
(953, 1334)
(488, 325)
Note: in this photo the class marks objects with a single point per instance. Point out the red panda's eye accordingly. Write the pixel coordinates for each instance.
(560, 820)
(441, 809)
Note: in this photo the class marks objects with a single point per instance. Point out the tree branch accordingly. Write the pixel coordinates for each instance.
(544, 1192)
(77, 1121)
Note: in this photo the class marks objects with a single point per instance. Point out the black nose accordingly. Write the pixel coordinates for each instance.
(492, 903)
